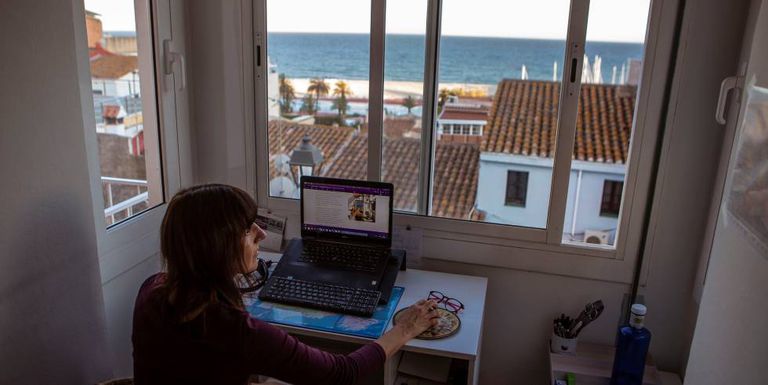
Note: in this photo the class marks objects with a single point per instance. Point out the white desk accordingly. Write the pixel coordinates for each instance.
(464, 345)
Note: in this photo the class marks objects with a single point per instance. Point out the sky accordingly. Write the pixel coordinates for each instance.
(609, 20)
(116, 15)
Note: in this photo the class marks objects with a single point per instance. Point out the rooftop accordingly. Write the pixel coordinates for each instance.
(453, 112)
(345, 151)
(523, 120)
(107, 65)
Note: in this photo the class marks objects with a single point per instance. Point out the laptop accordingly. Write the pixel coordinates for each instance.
(346, 233)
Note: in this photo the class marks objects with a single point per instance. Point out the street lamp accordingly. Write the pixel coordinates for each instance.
(306, 157)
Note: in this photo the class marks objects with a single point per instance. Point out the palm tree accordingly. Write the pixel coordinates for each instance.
(342, 89)
(340, 104)
(341, 92)
(409, 102)
(308, 104)
(443, 97)
(319, 87)
(287, 94)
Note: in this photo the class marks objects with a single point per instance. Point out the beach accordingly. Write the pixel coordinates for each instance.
(393, 89)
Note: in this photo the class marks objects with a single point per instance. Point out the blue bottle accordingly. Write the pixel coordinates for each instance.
(631, 348)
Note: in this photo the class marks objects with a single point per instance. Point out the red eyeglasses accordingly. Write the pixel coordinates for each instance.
(453, 305)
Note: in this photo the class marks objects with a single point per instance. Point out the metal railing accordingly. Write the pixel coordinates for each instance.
(127, 205)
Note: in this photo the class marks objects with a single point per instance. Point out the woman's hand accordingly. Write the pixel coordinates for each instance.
(413, 321)
(418, 317)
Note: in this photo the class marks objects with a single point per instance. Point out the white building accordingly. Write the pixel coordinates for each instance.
(463, 119)
(518, 149)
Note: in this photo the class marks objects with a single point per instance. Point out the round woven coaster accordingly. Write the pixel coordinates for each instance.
(447, 325)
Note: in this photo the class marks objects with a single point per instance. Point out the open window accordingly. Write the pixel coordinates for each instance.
(453, 97)
(136, 77)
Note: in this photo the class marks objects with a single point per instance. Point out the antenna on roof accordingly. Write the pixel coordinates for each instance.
(523, 73)
(554, 71)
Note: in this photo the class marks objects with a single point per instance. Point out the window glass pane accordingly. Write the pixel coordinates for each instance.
(317, 89)
(610, 80)
(517, 188)
(500, 66)
(611, 198)
(403, 94)
(122, 79)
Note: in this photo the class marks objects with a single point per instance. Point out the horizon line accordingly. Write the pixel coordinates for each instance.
(447, 35)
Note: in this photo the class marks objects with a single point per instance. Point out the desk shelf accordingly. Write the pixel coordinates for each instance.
(592, 364)
(457, 371)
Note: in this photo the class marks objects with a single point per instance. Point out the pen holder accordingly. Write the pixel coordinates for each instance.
(562, 345)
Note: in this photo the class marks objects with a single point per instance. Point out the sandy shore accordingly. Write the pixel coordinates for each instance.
(394, 89)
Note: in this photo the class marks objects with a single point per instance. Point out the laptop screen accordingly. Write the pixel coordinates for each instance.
(346, 209)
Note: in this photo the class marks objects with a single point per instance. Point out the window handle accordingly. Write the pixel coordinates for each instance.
(728, 84)
(170, 57)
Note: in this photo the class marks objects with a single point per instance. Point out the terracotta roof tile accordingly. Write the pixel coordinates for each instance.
(345, 152)
(285, 136)
(455, 180)
(113, 66)
(523, 120)
(98, 50)
(463, 113)
(397, 127)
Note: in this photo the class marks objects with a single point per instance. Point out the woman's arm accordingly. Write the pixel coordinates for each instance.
(270, 351)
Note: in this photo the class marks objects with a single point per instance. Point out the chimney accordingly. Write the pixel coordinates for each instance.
(93, 28)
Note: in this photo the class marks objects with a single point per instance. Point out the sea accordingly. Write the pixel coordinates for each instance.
(464, 60)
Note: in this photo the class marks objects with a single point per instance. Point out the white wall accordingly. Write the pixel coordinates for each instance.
(491, 192)
(492, 189)
(52, 328)
(712, 32)
(119, 298)
(519, 310)
(590, 201)
(127, 85)
(218, 87)
(729, 344)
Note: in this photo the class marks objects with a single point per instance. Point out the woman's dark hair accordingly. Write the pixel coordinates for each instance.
(201, 243)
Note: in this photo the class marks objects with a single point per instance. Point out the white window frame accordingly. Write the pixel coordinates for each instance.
(503, 245)
(130, 242)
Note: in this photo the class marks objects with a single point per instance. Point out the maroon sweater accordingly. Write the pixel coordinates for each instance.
(226, 346)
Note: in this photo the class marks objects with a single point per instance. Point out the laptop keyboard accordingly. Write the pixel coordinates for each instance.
(323, 296)
(347, 257)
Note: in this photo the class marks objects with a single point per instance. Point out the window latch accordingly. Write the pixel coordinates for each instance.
(728, 84)
(576, 53)
(171, 57)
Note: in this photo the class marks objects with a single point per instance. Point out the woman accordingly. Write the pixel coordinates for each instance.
(190, 326)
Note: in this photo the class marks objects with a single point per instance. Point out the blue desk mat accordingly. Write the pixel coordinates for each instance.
(325, 321)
